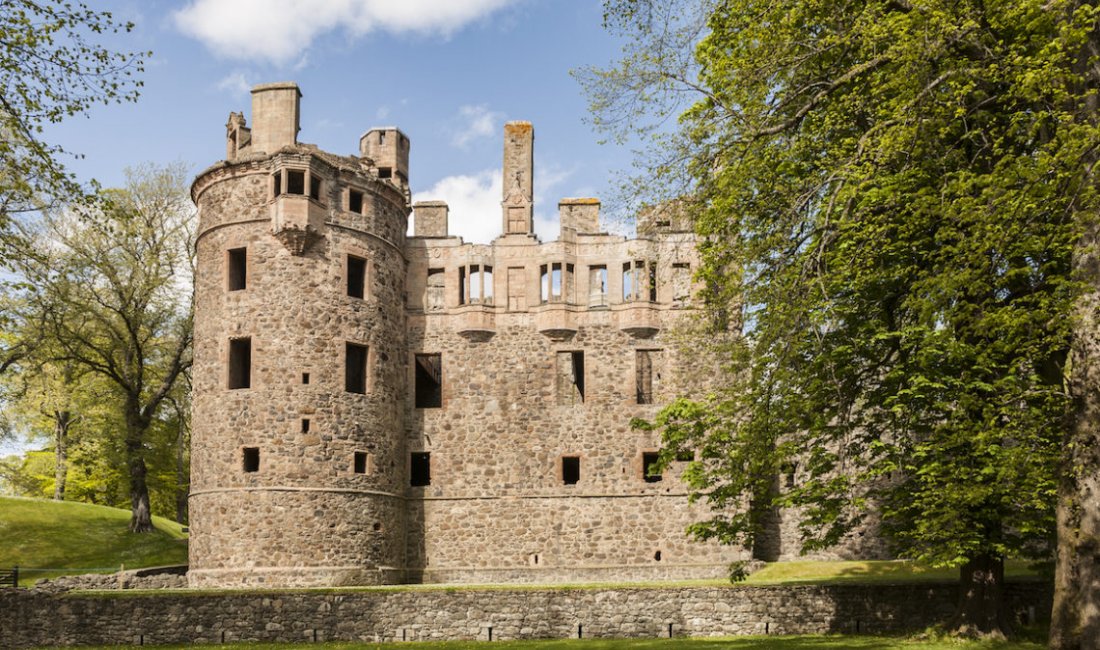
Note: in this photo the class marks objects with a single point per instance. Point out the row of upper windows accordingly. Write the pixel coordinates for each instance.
(237, 276)
(428, 373)
(420, 465)
(298, 181)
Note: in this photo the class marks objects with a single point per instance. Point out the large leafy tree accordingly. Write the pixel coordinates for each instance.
(895, 191)
(112, 285)
(52, 67)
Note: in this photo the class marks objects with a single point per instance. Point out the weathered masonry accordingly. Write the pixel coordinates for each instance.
(375, 408)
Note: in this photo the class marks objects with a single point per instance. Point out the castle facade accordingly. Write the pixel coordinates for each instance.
(372, 408)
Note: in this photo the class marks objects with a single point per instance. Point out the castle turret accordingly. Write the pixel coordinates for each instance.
(298, 443)
(388, 148)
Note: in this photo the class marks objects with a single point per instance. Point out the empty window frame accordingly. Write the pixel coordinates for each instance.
(570, 377)
(314, 188)
(597, 286)
(385, 172)
(570, 470)
(429, 381)
(356, 276)
(277, 179)
(556, 280)
(236, 267)
(250, 459)
(420, 468)
(355, 201)
(681, 282)
(362, 462)
(295, 182)
(475, 284)
(639, 281)
(650, 472)
(644, 374)
(355, 368)
(240, 363)
(434, 294)
(305, 425)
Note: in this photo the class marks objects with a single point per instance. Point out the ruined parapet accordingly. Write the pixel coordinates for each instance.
(667, 217)
(518, 178)
(388, 148)
(275, 119)
(430, 218)
(579, 216)
(238, 137)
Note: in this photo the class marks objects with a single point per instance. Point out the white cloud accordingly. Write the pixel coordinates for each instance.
(474, 122)
(279, 31)
(234, 83)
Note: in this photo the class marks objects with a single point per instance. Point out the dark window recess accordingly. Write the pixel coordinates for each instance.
(250, 459)
(570, 470)
(652, 282)
(314, 188)
(385, 172)
(240, 363)
(355, 368)
(360, 462)
(357, 276)
(788, 470)
(657, 556)
(295, 182)
(278, 176)
(643, 376)
(462, 285)
(355, 201)
(305, 378)
(420, 469)
(577, 360)
(305, 425)
(649, 470)
(429, 381)
(237, 263)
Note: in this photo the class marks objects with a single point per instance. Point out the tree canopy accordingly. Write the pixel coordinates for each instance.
(893, 190)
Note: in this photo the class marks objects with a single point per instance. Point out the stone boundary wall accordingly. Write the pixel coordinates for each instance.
(31, 618)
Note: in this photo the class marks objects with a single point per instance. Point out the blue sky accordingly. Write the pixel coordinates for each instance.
(449, 73)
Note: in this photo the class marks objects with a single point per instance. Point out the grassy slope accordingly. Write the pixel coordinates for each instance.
(869, 572)
(81, 538)
(740, 643)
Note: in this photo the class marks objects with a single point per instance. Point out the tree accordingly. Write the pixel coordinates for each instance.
(114, 285)
(895, 191)
(51, 68)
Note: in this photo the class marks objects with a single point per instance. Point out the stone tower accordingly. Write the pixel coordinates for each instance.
(298, 446)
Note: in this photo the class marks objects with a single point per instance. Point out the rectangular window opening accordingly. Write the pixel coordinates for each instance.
(570, 470)
(628, 282)
(240, 363)
(355, 368)
(357, 276)
(597, 286)
(237, 268)
(649, 467)
(314, 188)
(652, 277)
(420, 468)
(305, 378)
(361, 463)
(385, 172)
(250, 459)
(462, 285)
(429, 381)
(295, 182)
(355, 201)
(278, 177)
(643, 373)
(475, 283)
(434, 294)
(487, 284)
(570, 369)
(305, 425)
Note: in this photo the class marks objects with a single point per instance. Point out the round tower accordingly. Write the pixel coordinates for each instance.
(297, 448)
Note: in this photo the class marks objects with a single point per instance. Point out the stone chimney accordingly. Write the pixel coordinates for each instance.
(519, 171)
(275, 116)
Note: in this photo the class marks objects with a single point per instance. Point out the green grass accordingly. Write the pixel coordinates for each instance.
(72, 538)
(739, 643)
(811, 572)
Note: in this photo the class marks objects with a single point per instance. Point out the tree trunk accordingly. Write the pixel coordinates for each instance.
(980, 610)
(61, 422)
(141, 520)
(181, 471)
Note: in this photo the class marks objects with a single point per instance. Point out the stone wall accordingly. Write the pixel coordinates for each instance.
(33, 619)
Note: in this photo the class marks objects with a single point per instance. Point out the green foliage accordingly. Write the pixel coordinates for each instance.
(74, 537)
(52, 68)
(893, 190)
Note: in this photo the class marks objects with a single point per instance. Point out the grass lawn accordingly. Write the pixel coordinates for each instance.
(73, 538)
(739, 643)
(870, 572)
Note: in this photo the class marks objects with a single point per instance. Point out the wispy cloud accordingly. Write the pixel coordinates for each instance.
(234, 83)
(280, 31)
(474, 122)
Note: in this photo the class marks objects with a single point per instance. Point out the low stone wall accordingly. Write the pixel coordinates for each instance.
(30, 618)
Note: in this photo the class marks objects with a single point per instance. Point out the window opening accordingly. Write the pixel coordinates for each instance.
(681, 282)
(240, 363)
(237, 264)
(357, 276)
(429, 381)
(385, 172)
(657, 556)
(570, 470)
(305, 425)
(644, 376)
(250, 459)
(314, 187)
(649, 467)
(278, 176)
(570, 367)
(652, 282)
(597, 286)
(361, 462)
(355, 201)
(434, 296)
(295, 182)
(420, 468)
(305, 378)
(462, 289)
(355, 368)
